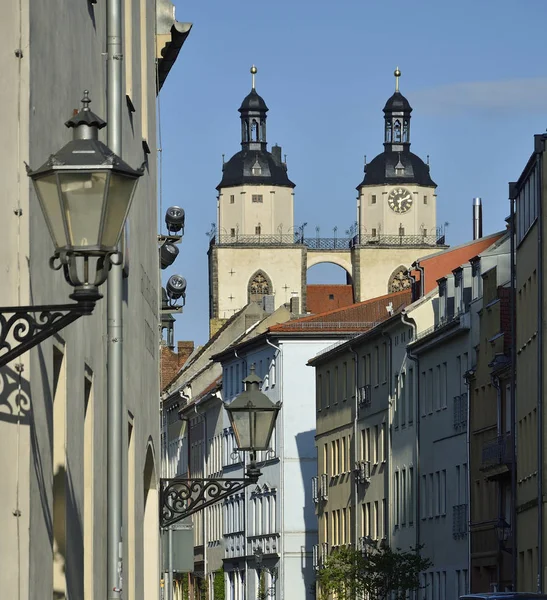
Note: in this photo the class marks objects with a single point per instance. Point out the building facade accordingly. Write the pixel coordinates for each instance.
(54, 419)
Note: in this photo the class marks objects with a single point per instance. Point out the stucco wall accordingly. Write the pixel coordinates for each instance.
(64, 56)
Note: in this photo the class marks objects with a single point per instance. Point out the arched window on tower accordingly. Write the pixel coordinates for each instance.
(399, 280)
(406, 131)
(263, 130)
(397, 131)
(388, 131)
(259, 286)
(246, 131)
(254, 131)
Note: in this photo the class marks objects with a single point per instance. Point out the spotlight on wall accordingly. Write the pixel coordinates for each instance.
(174, 219)
(176, 289)
(168, 254)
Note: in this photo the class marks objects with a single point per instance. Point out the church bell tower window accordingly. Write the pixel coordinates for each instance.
(388, 131)
(259, 286)
(397, 131)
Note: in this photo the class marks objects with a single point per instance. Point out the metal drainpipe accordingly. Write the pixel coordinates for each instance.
(356, 447)
(496, 383)
(115, 416)
(513, 401)
(407, 321)
(389, 457)
(422, 278)
(540, 375)
(281, 454)
(468, 452)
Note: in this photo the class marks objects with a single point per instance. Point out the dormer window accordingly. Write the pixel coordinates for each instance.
(458, 290)
(257, 169)
(476, 286)
(442, 300)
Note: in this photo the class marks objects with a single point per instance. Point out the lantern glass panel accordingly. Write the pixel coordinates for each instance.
(120, 194)
(48, 196)
(264, 421)
(83, 195)
(241, 424)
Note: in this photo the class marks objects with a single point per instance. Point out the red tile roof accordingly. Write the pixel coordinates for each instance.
(355, 318)
(321, 298)
(441, 264)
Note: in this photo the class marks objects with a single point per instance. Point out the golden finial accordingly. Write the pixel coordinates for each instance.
(253, 73)
(397, 74)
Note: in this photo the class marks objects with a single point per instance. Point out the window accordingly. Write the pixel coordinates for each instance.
(402, 400)
(403, 495)
(376, 366)
(257, 230)
(374, 232)
(257, 198)
(384, 442)
(345, 380)
(410, 496)
(327, 390)
(376, 444)
(396, 502)
(232, 199)
(319, 392)
(336, 385)
(425, 199)
(233, 232)
(373, 199)
(343, 456)
(385, 361)
(410, 396)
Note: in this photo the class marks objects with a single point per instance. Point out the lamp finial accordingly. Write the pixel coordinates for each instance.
(254, 71)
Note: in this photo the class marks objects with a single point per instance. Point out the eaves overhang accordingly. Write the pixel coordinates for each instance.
(170, 36)
(441, 333)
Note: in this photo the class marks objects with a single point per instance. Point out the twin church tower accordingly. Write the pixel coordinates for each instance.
(258, 255)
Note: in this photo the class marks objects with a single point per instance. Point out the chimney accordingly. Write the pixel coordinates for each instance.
(294, 306)
(477, 218)
(276, 153)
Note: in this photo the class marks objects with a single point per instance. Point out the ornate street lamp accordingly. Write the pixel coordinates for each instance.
(85, 192)
(252, 415)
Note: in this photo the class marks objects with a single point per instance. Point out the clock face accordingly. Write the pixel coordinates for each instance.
(400, 200)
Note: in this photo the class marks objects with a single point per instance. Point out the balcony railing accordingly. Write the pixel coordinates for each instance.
(498, 451)
(459, 521)
(365, 395)
(327, 243)
(460, 412)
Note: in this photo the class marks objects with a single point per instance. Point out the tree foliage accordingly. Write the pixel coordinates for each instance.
(218, 585)
(381, 573)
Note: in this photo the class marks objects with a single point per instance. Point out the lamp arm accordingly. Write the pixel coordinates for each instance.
(21, 329)
(181, 497)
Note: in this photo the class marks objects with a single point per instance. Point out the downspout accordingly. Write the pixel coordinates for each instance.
(468, 451)
(411, 356)
(496, 383)
(389, 430)
(281, 454)
(356, 447)
(513, 401)
(205, 475)
(115, 409)
(540, 373)
(421, 270)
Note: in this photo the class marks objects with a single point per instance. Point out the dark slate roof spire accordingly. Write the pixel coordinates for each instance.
(253, 111)
(397, 165)
(254, 164)
(397, 120)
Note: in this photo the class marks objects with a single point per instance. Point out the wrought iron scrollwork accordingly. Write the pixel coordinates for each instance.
(181, 497)
(23, 327)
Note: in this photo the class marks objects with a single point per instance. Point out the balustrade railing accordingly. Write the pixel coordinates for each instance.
(326, 243)
(498, 451)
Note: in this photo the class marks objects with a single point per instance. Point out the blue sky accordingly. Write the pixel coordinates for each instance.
(474, 72)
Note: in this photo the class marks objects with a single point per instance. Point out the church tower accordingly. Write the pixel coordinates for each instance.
(253, 256)
(396, 208)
